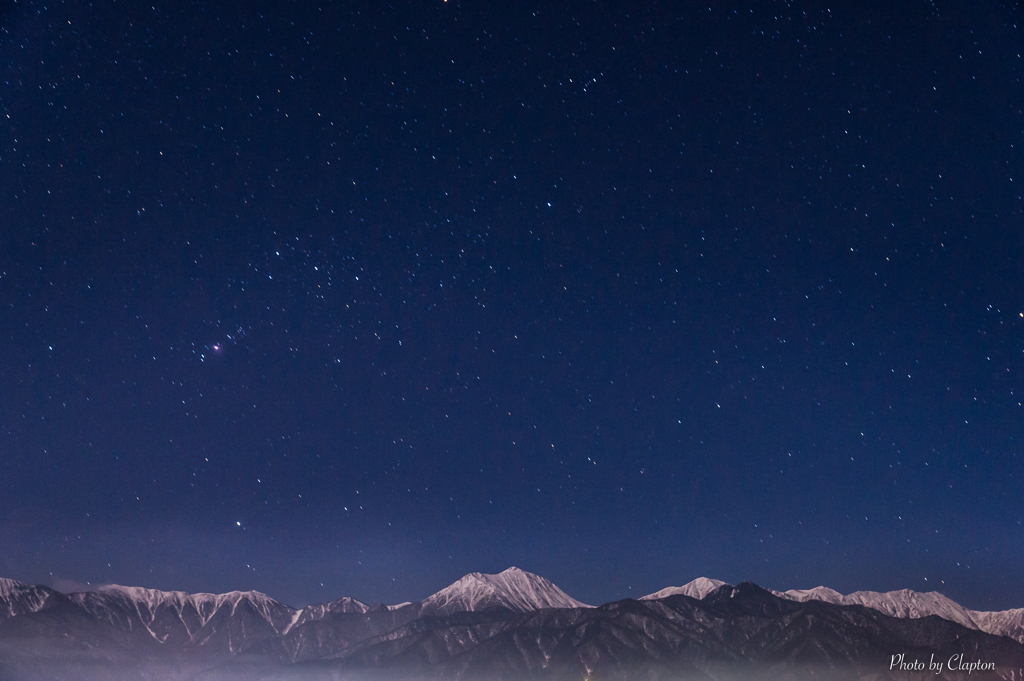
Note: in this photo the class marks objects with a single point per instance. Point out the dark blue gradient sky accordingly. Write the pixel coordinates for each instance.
(355, 298)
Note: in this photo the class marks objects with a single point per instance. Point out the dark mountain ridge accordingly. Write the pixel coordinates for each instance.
(741, 631)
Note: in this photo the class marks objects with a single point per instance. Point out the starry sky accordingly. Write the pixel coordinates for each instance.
(354, 298)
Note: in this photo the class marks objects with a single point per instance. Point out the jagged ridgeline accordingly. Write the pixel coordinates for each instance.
(509, 626)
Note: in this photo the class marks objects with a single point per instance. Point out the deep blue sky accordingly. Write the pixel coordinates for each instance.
(353, 299)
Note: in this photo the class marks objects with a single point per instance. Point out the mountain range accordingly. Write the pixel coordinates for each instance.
(512, 625)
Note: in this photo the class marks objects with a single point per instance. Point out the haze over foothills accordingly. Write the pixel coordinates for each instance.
(353, 299)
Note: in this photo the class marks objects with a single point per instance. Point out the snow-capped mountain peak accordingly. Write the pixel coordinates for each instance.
(9, 586)
(204, 604)
(319, 611)
(513, 589)
(818, 593)
(698, 588)
(17, 598)
(196, 619)
(903, 603)
(910, 604)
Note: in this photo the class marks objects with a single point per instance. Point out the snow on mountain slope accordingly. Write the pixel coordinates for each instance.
(913, 604)
(818, 593)
(224, 620)
(513, 588)
(18, 598)
(698, 588)
(205, 605)
(312, 613)
(236, 620)
(904, 603)
(1006, 623)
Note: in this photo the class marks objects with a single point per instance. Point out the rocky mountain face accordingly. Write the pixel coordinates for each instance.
(513, 625)
(17, 598)
(913, 604)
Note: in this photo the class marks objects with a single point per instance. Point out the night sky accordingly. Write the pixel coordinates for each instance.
(354, 298)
